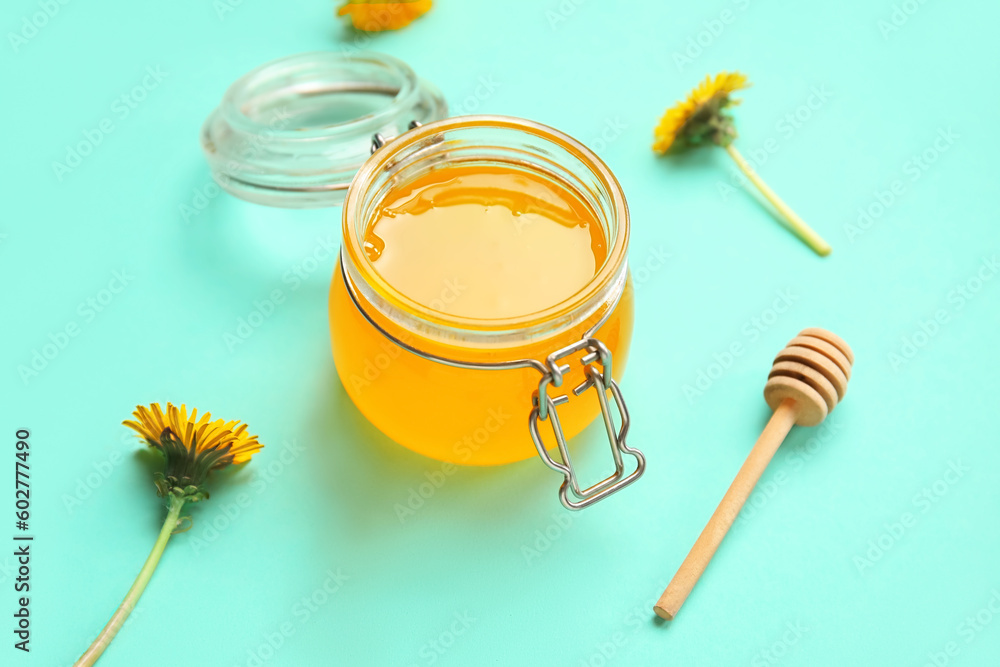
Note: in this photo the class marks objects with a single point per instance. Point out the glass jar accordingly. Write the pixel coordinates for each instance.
(309, 130)
(481, 391)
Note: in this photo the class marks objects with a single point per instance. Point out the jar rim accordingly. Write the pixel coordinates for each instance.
(269, 142)
(599, 293)
(269, 77)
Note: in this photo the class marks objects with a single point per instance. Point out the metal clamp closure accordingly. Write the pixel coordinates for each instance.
(545, 408)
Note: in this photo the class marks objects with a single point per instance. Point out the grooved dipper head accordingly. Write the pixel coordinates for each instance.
(812, 370)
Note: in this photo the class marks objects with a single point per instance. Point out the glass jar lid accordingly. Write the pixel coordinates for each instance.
(293, 132)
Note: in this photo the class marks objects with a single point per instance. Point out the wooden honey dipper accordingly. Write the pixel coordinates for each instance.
(808, 379)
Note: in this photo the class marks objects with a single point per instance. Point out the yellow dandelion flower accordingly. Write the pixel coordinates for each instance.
(192, 447)
(377, 16)
(194, 433)
(701, 120)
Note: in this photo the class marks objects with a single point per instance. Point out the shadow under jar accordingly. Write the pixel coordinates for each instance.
(482, 310)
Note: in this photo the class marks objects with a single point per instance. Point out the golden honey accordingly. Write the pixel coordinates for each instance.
(478, 242)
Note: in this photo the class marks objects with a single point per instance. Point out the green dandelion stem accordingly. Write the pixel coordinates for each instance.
(798, 225)
(134, 593)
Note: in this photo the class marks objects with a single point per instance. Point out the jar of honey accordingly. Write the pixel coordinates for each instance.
(481, 310)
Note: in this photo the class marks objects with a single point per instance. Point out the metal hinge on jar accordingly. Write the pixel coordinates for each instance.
(378, 140)
(600, 379)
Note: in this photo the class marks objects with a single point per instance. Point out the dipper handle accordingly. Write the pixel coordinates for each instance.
(711, 537)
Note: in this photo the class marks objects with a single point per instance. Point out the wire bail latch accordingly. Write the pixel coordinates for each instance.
(597, 367)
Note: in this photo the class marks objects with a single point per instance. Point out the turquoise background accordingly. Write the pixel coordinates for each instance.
(490, 570)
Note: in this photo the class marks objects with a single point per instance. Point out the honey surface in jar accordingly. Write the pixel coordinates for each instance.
(485, 242)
